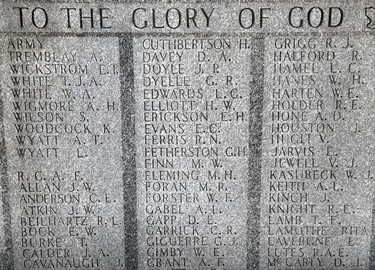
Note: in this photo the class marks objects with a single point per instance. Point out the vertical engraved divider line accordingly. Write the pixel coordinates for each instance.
(6, 258)
(255, 150)
(128, 150)
(372, 245)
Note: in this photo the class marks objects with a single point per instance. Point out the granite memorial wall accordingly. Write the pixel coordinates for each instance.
(187, 135)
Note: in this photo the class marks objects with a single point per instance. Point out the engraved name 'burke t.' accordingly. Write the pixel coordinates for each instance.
(187, 135)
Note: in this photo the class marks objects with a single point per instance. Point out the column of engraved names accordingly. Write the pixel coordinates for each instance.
(318, 176)
(6, 257)
(192, 134)
(59, 128)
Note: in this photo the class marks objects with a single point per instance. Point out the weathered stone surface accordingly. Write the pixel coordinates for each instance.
(195, 168)
(317, 161)
(63, 138)
(222, 135)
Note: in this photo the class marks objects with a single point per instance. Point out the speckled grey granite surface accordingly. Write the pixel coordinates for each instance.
(222, 135)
